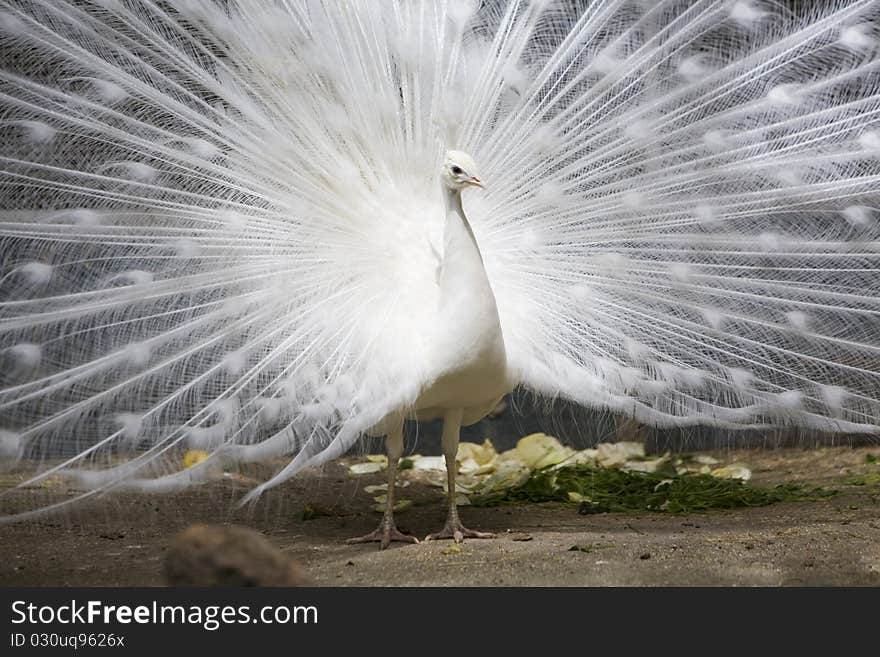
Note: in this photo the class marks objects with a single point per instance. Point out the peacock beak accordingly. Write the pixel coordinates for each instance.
(476, 182)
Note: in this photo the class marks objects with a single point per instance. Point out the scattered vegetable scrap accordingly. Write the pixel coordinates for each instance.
(367, 468)
(611, 477)
(193, 456)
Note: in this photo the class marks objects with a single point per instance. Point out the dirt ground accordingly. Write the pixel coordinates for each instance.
(835, 541)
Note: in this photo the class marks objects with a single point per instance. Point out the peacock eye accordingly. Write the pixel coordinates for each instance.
(457, 170)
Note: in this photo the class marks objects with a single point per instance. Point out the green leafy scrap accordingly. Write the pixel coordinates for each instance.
(599, 490)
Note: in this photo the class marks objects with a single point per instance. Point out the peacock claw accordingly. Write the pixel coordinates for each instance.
(384, 535)
(458, 533)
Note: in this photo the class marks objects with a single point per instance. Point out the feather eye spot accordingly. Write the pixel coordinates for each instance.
(25, 355)
(137, 354)
(857, 37)
(858, 215)
(38, 132)
(11, 447)
(135, 277)
(870, 141)
(36, 273)
(746, 13)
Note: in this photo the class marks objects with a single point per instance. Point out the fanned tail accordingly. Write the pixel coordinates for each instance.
(220, 222)
(683, 217)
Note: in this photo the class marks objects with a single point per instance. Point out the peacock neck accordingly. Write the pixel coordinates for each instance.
(463, 278)
(468, 333)
(457, 224)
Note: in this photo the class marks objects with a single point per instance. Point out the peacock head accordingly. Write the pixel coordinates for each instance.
(460, 171)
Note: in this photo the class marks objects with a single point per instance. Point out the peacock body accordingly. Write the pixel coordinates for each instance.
(235, 226)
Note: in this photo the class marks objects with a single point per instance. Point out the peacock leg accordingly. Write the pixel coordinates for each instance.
(387, 531)
(453, 528)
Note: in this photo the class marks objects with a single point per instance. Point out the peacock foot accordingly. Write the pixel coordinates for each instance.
(457, 532)
(384, 534)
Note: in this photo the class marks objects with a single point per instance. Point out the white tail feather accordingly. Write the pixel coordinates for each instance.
(221, 226)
